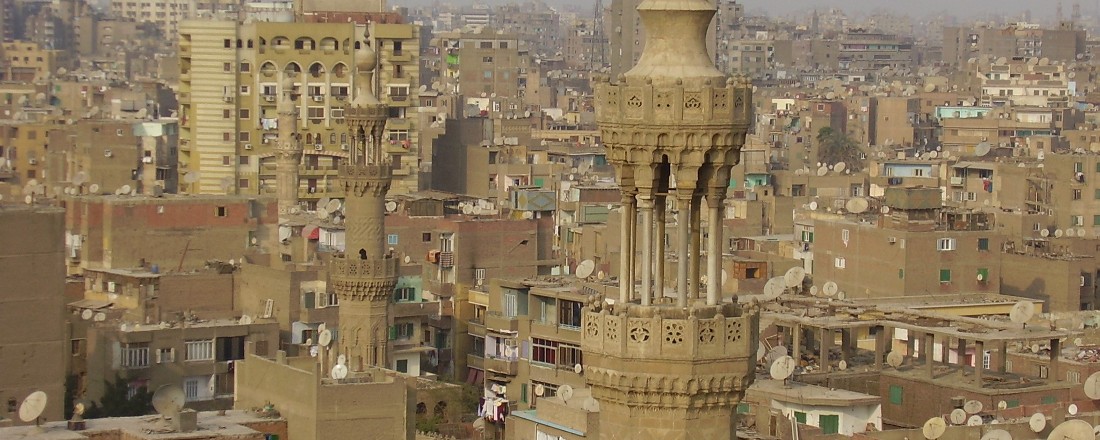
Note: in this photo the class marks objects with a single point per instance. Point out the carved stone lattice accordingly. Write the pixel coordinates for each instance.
(720, 100)
(638, 331)
(611, 326)
(707, 332)
(733, 331)
(674, 332)
(634, 101)
(692, 101)
(662, 100)
(593, 329)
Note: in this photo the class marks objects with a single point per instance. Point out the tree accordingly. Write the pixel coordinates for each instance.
(117, 402)
(834, 146)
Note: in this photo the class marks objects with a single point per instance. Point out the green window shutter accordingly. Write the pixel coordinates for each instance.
(811, 237)
(523, 392)
(895, 394)
(945, 275)
(829, 423)
(983, 244)
(984, 273)
(800, 417)
(742, 408)
(1048, 400)
(1096, 220)
(1096, 195)
(309, 300)
(539, 182)
(901, 274)
(1012, 403)
(393, 332)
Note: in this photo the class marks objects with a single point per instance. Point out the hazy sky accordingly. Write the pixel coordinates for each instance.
(918, 8)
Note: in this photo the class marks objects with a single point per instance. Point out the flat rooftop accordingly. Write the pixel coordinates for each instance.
(211, 425)
(807, 394)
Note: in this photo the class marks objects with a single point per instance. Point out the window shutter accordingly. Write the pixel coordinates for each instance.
(309, 300)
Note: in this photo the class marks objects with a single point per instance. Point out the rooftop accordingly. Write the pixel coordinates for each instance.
(211, 425)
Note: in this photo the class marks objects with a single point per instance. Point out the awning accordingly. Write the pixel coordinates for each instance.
(975, 165)
(315, 234)
(93, 304)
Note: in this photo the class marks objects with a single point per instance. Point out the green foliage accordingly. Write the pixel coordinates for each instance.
(428, 423)
(116, 403)
(834, 146)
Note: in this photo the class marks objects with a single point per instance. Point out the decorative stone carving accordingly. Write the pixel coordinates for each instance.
(674, 332)
(638, 332)
(707, 332)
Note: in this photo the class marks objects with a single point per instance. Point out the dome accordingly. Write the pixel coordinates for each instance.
(365, 58)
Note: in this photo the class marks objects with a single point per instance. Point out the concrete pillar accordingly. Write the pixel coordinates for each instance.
(626, 253)
(714, 249)
(929, 347)
(881, 339)
(696, 242)
(683, 249)
(632, 225)
(645, 203)
(979, 348)
(910, 347)
(1002, 358)
(659, 249)
(960, 352)
(846, 345)
(796, 342)
(825, 344)
(1055, 373)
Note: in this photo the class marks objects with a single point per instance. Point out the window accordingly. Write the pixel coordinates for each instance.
(403, 365)
(135, 355)
(404, 330)
(245, 90)
(1077, 194)
(1077, 220)
(983, 275)
(1078, 167)
(243, 113)
(316, 113)
(166, 355)
(839, 262)
(945, 275)
(426, 237)
(945, 244)
(569, 355)
(829, 423)
(202, 350)
(1043, 372)
(191, 390)
(510, 305)
(544, 351)
(1096, 220)
(391, 239)
(983, 244)
(845, 235)
(987, 359)
(227, 67)
(245, 68)
(221, 211)
(244, 136)
(227, 113)
(404, 294)
(227, 136)
(896, 394)
(1073, 376)
(569, 314)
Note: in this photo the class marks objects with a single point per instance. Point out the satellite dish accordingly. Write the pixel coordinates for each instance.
(934, 428)
(830, 288)
(540, 390)
(408, 259)
(1092, 386)
(601, 275)
(1080, 232)
(1022, 312)
(341, 360)
(332, 205)
(391, 206)
(774, 287)
(191, 177)
(823, 170)
(33, 406)
(794, 276)
(339, 371)
(957, 416)
(125, 189)
(1044, 232)
(1072, 430)
(246, 320)
(1070, 232)
(813, 290)
(843, 365)
(813, 206)
(79, 408)
(1002, 405)
(1038, 422)
(982, 149)
(566, 392)
(894, 359)
(168, 400)
(973, 406)
(997, 434)
(974, 420)
(578, 368)
(322, 213)
(857, 205)
(839, 167)
(584, 270)
(100, 317)
(1058, 233)
(884, 210)
(324, 338)
(93, 188)
(933, 154)
(782, 368)
(86, 314)
(1072, 409)
(841, 295)
(80, 178)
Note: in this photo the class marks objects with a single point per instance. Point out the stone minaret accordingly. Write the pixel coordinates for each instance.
(365, 276)
(671, 363)
(288, 152)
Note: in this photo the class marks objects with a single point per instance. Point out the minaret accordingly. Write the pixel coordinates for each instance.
(288, 152)
(365, 276)
(671, 363)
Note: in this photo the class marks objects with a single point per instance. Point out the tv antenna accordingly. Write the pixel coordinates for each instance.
(32, 407)
(168, 401)
(584, 270)
(1038, 422)
(934, 428)
(1022, 312)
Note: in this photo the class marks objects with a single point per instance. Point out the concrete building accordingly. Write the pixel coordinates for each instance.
(168, 15)
(25, 61)
(479, 64)
(206, 425)
(834, 411)
(960, 44)
(32, 264)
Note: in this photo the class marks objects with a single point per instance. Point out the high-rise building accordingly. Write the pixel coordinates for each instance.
(229, 122)
(671, 363)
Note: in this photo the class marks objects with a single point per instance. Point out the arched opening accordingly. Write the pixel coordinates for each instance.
(268, 69)
(421, 408)
(340, 70)
(292, 69)
(305, 43)
(362, 254)
(329, 43)
(316, 70)
(440, 409)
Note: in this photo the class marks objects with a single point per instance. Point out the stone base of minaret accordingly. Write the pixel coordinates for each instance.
(664, 372)
(364, 288)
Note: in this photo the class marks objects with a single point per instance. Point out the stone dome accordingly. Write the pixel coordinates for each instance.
(365, 57)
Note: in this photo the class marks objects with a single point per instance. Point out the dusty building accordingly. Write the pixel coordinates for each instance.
(960, 44)
(25, 61)
(32, 265)
(834, 411)
(480, 64)
(208, 425)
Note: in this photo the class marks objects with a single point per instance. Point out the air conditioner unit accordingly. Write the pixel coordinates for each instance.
(318, 98)
(318, 147)
(108, 153)
(147, 159)
(344, 147)
(247, 146)
(227, 98)
(269, 98)
(32, 161)
(892, 240)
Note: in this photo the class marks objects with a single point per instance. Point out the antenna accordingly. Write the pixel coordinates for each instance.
(33, 406)
(584, 270)
(168, 400)
(830, 288)
(339, 371)
(934, 428)
(794, 276)
(1022, 312)
(957, 416)
(1038, 421)
(782, 368)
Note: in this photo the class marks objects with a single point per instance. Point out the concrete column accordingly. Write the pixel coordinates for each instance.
(1055, 373)
(626, 251)
(979, 348)
(910, 346)
(960, 350)
(846, 345)
(796, 342)
(683, 249)
(824, 345)
(1002, 359)
(929, 347)
(693, 262)
(659, 249)
(714, 250)
(645, 203)
(881, 339)
(632, 225)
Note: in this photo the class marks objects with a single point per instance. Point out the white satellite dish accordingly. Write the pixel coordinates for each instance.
(322, 213)
(566, 392)
(1072, 430)
(782, 368)
(857, 205)
(86, 314)
(1058, 233)
(997, 434)
(794, 276)
(1071, 232)
(1080, 232)
(973, 406)
(841, 295)
(245, 320)
(774, 287)
(974, 420)
(982, 149)
(578, 368)
(333, 205)
(1044, 232)
(125, 189)
(1002, 405)
(957, 416)
(934, 428)
(823, 170)
(830, 288)
(1022, 312)
(842, 365)
(813, 206)
(540, 389)
(1092, 386)
(339, 371)
(168, 400)
(584, 270)
(391, 206)
(324, 338)
(1038, 422)
(601, 275)
(813, 290)
(408, 259)
(839, 167)
(93, 188)
(341, 360)
(591, 405)
(100, 317)
(1072, 409)
(33, 406)
(894, 359)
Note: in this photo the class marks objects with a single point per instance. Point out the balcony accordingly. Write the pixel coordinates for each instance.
(502, 366)
(474, 361)
(441, 289)
(415, 309)
(497, 321)
(475, 328)
(401, 56)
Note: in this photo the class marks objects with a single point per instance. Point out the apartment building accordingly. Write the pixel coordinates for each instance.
(168, 15)
(862, 51)
(228, 95)
(1063, 43)
(481, 64)
(26, 61)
